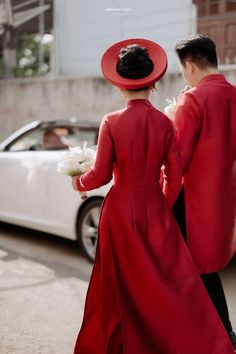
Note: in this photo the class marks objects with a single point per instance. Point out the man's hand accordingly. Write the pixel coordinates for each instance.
(186, 88)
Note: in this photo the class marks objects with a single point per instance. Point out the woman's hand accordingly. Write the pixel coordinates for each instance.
(74, 183)
(83, 195)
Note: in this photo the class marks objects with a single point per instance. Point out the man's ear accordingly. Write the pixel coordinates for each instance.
(190, 66)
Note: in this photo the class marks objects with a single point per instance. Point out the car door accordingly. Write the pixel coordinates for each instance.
(62, 203)
(22, 174)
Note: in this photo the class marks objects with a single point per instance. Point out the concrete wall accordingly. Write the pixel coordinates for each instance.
(22, 101)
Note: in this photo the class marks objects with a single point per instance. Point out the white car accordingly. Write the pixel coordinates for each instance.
(34, 195)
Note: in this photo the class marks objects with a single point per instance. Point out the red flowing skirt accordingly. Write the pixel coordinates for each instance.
(145, 295)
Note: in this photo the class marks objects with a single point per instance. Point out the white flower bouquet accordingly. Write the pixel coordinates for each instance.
(169, 110)
(76, 161)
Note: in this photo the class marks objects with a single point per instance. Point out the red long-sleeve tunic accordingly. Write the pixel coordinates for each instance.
(205, 119)
(145, 295)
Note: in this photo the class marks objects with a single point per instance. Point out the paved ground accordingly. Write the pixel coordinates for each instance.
(43, 282)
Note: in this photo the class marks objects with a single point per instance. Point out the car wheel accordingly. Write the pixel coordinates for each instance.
(87, 227)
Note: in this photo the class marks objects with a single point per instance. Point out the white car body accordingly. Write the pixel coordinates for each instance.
(34, 195)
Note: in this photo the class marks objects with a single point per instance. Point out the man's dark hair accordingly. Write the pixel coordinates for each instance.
(199, 49)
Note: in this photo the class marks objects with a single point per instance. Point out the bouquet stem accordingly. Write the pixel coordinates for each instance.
(83, 195)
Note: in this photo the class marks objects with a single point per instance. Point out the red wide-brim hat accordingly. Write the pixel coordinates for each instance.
(111, 57)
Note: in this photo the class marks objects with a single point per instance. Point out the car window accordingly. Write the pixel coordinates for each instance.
(80, 135)
(63, 137)
(31, 140)
(54, 138)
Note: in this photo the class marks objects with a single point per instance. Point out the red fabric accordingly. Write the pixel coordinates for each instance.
(205, 119)
(145, 295)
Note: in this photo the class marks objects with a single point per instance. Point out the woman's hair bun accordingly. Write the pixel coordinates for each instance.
(133, 51)
(134, 62)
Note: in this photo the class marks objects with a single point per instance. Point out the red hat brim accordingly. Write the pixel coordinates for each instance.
(111, 57)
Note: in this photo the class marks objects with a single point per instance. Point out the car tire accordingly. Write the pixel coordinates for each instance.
(87, 227)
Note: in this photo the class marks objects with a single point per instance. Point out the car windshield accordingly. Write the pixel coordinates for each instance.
(54, 138)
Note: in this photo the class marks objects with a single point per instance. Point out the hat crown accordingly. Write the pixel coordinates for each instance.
(135, 62)
(110, 60)
(133, 51)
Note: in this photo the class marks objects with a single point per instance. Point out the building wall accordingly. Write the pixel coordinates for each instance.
(217, 19)
(22, 101)
(83, 30)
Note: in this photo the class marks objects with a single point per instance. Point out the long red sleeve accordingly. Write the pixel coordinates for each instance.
(187, 121)
(172, 172)
(101, 173)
